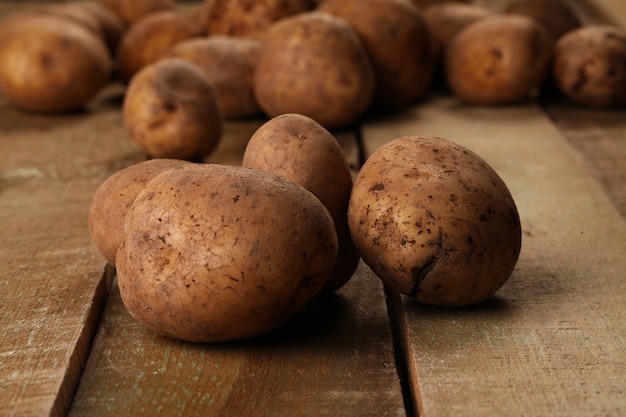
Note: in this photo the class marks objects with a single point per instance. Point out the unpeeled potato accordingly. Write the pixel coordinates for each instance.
(434, 221)
(49, 64)
(215, 253)
(298, 148)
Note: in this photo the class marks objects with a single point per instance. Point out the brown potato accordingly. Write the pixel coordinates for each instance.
(149, 39)
(49, 64)
(590, 66)
(434, 221)
(316, 65)
(171, 111)
(229, 63)
(556, 16)
(113, 199)
(298, 148)
(249, 18)
(498, 59)
(132, 11)
(215, 253)
(398, 43)
(113, 27)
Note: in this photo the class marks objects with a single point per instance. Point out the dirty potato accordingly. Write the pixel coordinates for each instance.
(249, 18)
(171, 111)
(113, 198)
(215, 253)
(498, 59)
(556, 16)
(229, 63)
(298, 148)
(590, 66)
(49, 64)
(434, 221)
(316, 65)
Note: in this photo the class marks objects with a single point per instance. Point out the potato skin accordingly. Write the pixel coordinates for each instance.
(172, 111)
(498, 59)
(48, 64)
(556, 16)
(298, 148)
(316, 65)
(590, 66)
(397, 41)
(216, 253)
(434, 221)
(113, 198)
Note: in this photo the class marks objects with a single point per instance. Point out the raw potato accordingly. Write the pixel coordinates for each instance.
(398, 43)
(49, 64)
(229, 63)
(148, 40)
(215, 253)
(498, 59)
(132, 11)
(171, 111)
(113, 198)
(113, 27)
(590, 66)
(298, 148)
(556, 16)
(249, 18)
(434, 221)
(316, 65)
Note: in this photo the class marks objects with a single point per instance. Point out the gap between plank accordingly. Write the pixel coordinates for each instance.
(78, 359)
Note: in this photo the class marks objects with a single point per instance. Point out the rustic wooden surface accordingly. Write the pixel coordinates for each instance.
(551, 342)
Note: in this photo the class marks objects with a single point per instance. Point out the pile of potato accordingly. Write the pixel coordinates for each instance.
(213, 253)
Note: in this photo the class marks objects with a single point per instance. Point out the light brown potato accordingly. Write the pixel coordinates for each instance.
(298, 148)
(556, 16)
(215, 253)
(149, 39)
(229, 63)
(498, 59)
(434, 221)
(130, 11)
(249, 18)
(590, 66)
(398, 43)
(316, 65)
(113, 199)
(171, 111)
(49, 64)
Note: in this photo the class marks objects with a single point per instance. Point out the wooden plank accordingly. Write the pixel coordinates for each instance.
(552, 340)
(333, 359)
(53, 281)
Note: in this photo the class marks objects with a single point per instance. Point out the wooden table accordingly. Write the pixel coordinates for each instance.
(552, 342)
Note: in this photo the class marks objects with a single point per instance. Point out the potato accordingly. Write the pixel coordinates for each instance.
(556, 16)
(229, 63)
(171, 111)
(215, 253)
(113, 198)
(113, 27)
(590, 66)
(434, 221)
(49, 64)
(132, 11)
(298, 148)
(149, 38)
(398, 43)
(251, 19)
(498, 59)
(316, 65)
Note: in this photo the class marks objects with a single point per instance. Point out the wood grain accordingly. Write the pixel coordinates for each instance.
(552, 341)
